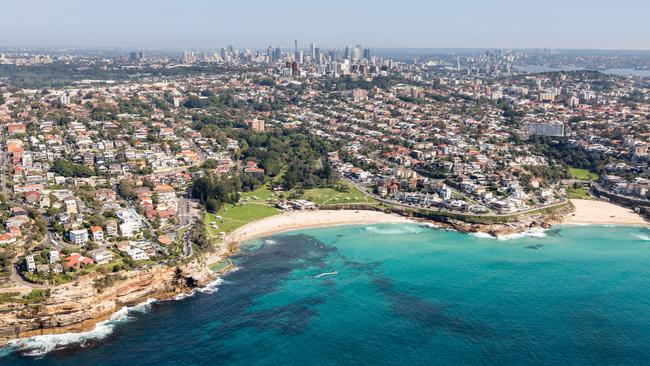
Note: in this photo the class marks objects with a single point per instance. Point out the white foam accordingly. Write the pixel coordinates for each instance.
(210, 288)
(270, 241)
(642, 237)
(397, 230)
(40, 345)
(535, 233)
(482, 235)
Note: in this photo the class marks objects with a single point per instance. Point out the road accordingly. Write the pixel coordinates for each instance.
(395, 203)
(185, 215)
(187, 244)
(18, 279)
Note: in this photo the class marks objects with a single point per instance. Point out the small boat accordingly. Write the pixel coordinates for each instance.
(326, 274)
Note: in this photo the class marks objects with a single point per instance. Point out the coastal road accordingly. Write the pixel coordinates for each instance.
(187, 244)
(399, 204)
(18, 279)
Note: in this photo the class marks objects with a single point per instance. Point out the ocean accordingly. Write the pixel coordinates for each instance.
(402, 294)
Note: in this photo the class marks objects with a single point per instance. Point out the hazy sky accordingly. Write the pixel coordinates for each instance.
(595, 24)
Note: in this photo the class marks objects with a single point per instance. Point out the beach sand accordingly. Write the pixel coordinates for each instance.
(603, 213)
(294, 220)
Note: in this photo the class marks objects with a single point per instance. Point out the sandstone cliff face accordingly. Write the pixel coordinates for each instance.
(79, 306)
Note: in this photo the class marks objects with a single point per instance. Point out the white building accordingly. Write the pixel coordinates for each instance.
(101, 256)
(53, 256)
(130, 222)
(79, 237)
(137, 254)
(30, 263)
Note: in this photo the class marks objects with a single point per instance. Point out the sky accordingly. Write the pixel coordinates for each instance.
(194, 24)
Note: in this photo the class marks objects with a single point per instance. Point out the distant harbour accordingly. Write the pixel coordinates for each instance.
(546, 68)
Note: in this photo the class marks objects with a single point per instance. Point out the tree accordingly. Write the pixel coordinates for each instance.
(126, 189)
(69, 169)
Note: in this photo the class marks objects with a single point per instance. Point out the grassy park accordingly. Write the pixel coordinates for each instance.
(235, 216)
(330, 196)
(256, 205)
(578, 193)
(583, 174)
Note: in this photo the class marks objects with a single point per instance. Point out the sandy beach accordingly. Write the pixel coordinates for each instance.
(603, 213)
(294, 220)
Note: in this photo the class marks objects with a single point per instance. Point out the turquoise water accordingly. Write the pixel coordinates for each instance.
(403, 295)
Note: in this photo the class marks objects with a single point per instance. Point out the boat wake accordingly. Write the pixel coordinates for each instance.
(326, 274)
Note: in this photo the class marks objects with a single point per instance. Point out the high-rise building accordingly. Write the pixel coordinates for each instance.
(188, 57)
(270, 54)
(312, 51)
(366, 54)
(317, 58)
(356, 53)
(295, 54)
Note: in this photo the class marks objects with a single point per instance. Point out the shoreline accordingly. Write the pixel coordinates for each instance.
(587, 212)
(297, 220)
(596, 212)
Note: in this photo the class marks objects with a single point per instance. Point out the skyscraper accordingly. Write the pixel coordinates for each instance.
(366, 53)
(317, 57)
(356, 53)
(295, 55)
(312, 52)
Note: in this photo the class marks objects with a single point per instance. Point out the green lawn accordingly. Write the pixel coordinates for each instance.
(584, 174)
(261, 194)
(579, 193)
(254, 205)
(236, 216)
(325, 196)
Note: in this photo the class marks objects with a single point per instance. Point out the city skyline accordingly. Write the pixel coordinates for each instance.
(379, 24)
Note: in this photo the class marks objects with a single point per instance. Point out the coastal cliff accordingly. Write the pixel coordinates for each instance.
(78, 306)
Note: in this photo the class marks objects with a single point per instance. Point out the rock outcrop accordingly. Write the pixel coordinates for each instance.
(78, 306)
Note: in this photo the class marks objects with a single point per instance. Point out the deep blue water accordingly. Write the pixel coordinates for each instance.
(546, 68)
(403, 295)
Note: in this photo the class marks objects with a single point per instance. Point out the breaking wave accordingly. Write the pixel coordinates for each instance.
(396, 230)
(642, 237)
(38, 346)
(534, 233)
(482, 235)
(210, 288)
